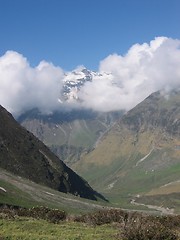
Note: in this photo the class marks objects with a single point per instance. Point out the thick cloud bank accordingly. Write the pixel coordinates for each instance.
(23, 87)
(144, 69)
(123, 83)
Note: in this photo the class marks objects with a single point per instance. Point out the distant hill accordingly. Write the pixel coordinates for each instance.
(69, 134)
(140, 153)
(24, 155)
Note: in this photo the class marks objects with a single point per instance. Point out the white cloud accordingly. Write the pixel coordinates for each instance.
(23, 87)
(144, 69)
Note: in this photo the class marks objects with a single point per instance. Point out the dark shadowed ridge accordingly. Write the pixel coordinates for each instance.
(23, 154)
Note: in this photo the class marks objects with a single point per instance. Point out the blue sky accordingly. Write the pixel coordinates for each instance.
(69, 33)
(135, 44)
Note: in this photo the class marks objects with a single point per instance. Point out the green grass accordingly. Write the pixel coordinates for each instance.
(169, 200)
(133, 181)
(31, 229)
(14, 196)
(98, 175)
(25, 193)
(82, 138)
(106, 224)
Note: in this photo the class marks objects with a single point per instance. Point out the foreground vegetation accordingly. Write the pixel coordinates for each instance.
(44, 223)
(39, 230)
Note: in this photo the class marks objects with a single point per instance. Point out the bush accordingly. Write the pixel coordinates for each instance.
(55, 216)
(103, 217)
(143, 228)
(7, 213)
(170, 221)
(51, 215)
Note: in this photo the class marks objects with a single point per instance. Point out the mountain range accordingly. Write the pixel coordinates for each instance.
(127, 156)
(69, 133)
(122, 155)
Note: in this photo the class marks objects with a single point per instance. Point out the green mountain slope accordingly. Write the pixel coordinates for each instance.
(24, 155)
(18, 191)
(140, 153)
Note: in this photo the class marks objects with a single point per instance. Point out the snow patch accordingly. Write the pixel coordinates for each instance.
(171, 183)
(111, 185)
(3, 189)
(51, 194)
(144, 158)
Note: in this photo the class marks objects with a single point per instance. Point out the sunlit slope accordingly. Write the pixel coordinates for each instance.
(141, 152)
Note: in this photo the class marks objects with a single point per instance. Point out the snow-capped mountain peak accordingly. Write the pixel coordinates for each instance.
(74, 80)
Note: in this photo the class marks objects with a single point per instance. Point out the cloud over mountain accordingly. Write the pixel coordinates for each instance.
(144, 69)
(23, 87)
(128, 80)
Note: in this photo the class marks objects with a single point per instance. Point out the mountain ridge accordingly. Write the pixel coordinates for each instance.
(24, 155)
(140, 152)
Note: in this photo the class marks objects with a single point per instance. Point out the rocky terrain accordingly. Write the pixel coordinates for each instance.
(24, 155)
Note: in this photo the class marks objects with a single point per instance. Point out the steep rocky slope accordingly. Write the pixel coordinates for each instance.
(23, 154)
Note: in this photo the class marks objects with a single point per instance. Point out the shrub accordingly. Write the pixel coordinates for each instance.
(55, 216)
(170, 221)
(7, 213)
(103, 217)
(52, 215)
(142, 228)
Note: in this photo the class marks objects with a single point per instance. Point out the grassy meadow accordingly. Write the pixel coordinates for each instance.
(32, 229)
(43, 223)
